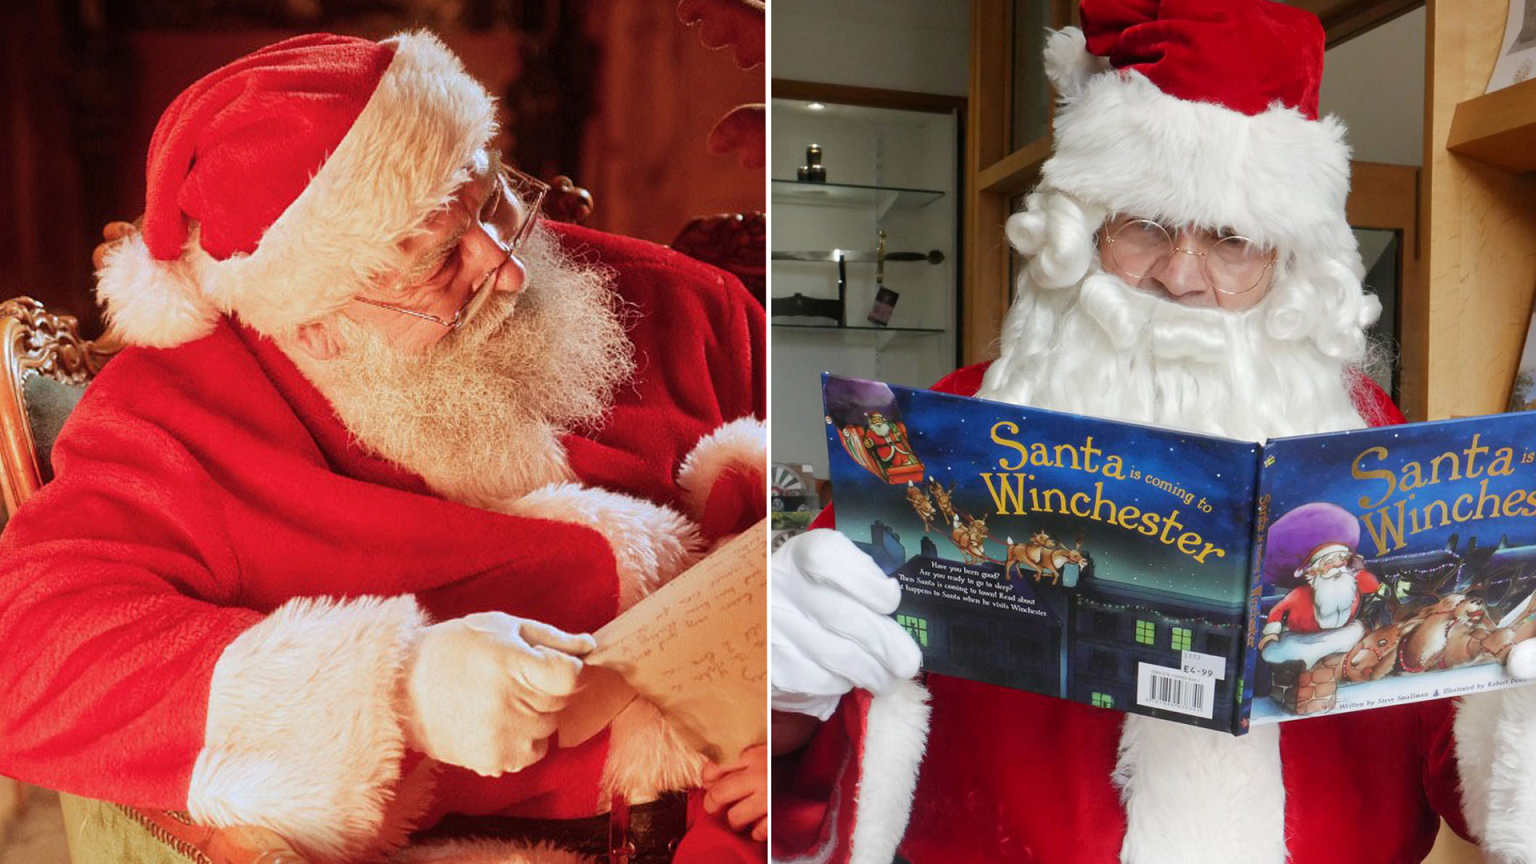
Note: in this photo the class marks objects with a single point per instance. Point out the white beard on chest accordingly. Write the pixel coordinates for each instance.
(1333, 597)
(1081, 340)
(480, 415)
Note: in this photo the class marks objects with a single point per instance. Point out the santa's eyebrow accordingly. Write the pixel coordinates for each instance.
(427, 264)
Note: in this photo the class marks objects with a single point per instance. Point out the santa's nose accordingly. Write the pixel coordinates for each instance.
(484, 253)
(1184, 272)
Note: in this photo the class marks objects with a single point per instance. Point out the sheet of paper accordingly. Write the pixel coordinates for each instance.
(697, 647)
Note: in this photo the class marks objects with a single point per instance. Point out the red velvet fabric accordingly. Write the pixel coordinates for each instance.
(239, 145)
(198, 488)
(1019, 777)
(1245, 55)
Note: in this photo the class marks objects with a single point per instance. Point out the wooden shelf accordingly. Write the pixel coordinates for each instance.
(1498, 128)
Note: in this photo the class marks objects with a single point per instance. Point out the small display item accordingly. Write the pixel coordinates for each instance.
(812, 171)
(885, 303)
(885, 298)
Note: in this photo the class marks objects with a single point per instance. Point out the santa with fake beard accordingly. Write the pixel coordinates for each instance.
(1188, 265)
(324, 545)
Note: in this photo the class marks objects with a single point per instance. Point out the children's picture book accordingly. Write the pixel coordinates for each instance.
(1210, 581)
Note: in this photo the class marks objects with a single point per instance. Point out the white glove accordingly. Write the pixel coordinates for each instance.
(482, 691)
(831, 626)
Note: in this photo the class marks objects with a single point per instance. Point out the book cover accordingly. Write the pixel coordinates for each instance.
(1101, 562)
(1189, 577)
(1398, 564)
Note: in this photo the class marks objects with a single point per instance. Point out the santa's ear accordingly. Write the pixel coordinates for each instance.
(318, 340)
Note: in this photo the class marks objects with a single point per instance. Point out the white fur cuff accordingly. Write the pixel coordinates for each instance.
(895, 736)
(1496, 757)
(303, 735)
(741, 444)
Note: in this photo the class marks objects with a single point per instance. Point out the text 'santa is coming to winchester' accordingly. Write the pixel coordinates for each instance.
(1216, 582)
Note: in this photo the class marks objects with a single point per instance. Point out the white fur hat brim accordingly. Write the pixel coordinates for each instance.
(404, 156)
(1122, 144)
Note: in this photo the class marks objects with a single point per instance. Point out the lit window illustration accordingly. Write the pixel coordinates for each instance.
(918, 627)
(1183, 639)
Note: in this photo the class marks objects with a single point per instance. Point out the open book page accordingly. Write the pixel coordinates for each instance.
(697, 648)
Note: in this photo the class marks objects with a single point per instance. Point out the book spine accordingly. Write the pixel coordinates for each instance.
(1253, 624)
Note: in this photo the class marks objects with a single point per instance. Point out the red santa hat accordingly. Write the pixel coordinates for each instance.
(280, 184)
(1200, 112)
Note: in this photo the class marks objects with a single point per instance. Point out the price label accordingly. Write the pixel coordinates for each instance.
(1209, 666)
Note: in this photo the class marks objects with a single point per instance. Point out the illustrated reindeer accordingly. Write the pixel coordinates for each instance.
(921, 504)
(1035, 554)
(970, 538)
(942, 497)
(1454, 631)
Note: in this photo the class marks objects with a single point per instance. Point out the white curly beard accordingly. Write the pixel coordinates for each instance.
(480, 414)
(1081, 340)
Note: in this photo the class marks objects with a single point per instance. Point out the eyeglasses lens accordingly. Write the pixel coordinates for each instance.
(1233, 265)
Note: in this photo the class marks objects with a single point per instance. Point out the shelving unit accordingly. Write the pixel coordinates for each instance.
(1462, 343)
(883, 199)
(1498, 128)
(893, 171)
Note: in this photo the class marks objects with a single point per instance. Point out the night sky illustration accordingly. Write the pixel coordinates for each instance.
(1315, 468)
(952, 437)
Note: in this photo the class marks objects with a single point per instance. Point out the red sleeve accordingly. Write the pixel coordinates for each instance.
(1277, 614)
(1367, 582)
(1375, 406)
(1442, 775)
(108, 659)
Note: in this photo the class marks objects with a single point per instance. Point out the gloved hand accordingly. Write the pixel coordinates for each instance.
(482, 691)
(831, 626)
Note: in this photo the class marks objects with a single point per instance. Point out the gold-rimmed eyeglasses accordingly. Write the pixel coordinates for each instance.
(508, 215)
(1232, 264)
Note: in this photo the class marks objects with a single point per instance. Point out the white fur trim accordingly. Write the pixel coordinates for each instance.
(651, 543)
(1496, 758)
(153, 303)
(1068, 63)
(741, 443)
(1197, 796)
(1124, 145)
(646, 756)
(426, 121)
(303, 735)
(486, 852)
(895, 736)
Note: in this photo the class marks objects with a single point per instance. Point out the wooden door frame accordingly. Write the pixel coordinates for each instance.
(1387, 197)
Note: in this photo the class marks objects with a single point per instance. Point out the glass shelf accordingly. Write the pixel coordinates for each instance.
(885, 198)
(867, 328)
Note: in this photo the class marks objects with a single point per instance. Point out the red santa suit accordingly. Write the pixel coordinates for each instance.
(208, 608)
(213, 604)
(1297, 610)
(1014, 776)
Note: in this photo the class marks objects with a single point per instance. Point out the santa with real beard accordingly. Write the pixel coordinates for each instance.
(1197, 119)
(324, 545)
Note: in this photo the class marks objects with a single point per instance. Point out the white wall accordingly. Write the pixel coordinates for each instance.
(917, 45)
(1375, 84)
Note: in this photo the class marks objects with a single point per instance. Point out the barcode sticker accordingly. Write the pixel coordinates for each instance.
(1170, 689)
